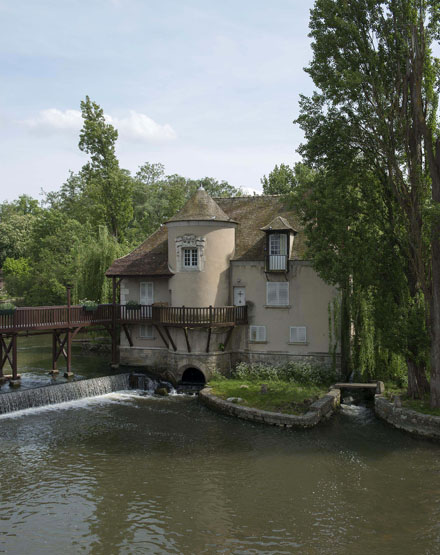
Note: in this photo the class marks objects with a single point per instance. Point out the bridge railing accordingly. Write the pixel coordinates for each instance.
(56, 317)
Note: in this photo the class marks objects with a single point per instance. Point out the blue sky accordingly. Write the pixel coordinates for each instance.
(208, 88)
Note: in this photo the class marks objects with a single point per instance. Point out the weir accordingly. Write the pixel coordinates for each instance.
(53, 394)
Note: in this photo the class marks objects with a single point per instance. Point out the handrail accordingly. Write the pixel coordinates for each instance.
(56, 317)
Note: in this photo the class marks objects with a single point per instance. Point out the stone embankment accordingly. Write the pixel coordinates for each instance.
(319, 410)
(425, 425)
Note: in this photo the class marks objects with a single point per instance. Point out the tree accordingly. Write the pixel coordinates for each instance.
(377, 107)
(108, 187)
(283, 179)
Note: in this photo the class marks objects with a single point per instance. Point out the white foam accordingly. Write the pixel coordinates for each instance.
(120, 397)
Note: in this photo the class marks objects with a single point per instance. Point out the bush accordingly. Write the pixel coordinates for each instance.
(306, 373)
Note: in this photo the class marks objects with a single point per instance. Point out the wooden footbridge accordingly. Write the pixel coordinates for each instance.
(65, 322)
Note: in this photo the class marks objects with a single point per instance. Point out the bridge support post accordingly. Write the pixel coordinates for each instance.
(114, 333)
(54, 370)
(68, 373)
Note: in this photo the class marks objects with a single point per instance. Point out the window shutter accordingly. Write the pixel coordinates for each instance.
(283, 296)
(146, 292)
(298, 334)
(277, 293)
(271, 293)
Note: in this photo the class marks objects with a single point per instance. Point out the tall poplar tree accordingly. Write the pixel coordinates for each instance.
(377, 104)
(108, 187)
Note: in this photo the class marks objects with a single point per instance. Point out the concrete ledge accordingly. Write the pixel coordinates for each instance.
(320, 409)
(409, 420)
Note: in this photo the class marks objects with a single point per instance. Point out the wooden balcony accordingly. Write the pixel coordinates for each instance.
(60, 317)
(208, 317)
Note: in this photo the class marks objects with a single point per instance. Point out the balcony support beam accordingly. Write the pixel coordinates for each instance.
(209, 339)
(162, 336)
(228, 337)
(170, 339)
(188, 346)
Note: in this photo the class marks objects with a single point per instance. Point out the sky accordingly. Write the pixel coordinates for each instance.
(205, 87)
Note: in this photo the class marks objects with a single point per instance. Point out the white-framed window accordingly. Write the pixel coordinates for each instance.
(146, 332)
(257, 333)
(146, 292)
(190, 253)
(190, 258)
(277, 293)
(298, 334)
(278, 244)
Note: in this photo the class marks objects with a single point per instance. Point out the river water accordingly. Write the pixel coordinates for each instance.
(128, 473)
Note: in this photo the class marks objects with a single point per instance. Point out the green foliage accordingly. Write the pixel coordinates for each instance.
(7, 306)
(305, 373)
(334, 328)
(368, 210)
(109, 188)
(283, 179)
(17, 274)
(92, 259)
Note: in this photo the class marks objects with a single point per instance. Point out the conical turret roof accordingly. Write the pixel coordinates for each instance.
(201, 207)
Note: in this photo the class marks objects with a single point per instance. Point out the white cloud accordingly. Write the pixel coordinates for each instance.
(135, 127)
(140, 127)
(53, 120)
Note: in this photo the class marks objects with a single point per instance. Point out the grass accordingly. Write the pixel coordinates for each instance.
(281, 396)
(419, 405)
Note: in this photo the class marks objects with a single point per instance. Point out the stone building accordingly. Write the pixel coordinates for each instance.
(223, 281)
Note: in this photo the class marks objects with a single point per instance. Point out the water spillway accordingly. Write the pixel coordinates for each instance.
(53, 394)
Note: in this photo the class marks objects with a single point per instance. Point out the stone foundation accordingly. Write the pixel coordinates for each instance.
(321, 409)
(170, 365)
(409, 420)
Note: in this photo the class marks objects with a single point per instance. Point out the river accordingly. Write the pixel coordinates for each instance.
(128, 473)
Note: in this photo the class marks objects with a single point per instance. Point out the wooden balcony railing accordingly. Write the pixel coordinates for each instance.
(199, 316)
(59, 317)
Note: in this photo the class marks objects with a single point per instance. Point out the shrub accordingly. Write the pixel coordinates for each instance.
(302, 372)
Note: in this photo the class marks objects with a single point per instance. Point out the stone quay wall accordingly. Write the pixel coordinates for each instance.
(425, 425)
(319, 410)
(170, 365)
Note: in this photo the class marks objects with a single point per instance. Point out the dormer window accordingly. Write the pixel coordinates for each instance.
(279, 237)
(277, 259)
(190, 258)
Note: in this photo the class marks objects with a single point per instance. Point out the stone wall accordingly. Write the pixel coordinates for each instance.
(319, 410)
(170, 365)
(406, 419)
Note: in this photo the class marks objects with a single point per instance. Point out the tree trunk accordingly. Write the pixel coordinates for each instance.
(435, 318)
(418, 385)
(345, 331)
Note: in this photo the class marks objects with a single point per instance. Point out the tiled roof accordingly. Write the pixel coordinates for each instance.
(200, 207)
(278, 224)
(251, 213)
(149, 259)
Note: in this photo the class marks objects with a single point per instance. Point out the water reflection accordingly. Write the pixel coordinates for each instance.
(132, 474)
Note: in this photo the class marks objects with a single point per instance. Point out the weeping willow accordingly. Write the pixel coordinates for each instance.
(334, 328)
(93, 259)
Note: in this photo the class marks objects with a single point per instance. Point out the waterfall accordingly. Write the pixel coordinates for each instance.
(52, 394)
